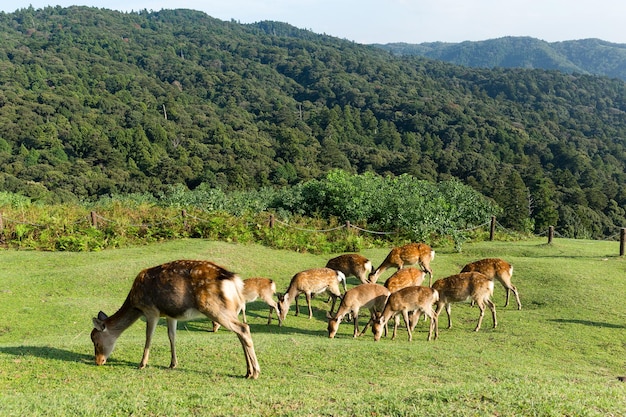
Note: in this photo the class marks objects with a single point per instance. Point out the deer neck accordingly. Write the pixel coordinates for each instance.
(123, 318)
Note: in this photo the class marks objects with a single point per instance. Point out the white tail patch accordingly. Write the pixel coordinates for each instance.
(341, 276)
(491, 288)
(232, 290)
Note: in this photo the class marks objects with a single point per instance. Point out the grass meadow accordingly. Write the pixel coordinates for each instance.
(561, 355)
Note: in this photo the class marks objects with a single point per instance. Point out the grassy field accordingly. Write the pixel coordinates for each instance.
(561, 355)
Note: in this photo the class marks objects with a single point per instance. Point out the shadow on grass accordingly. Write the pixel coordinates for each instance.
(47, 352)
(589, 323)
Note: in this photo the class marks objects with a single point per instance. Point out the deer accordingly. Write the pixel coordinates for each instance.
(496, 268)
(179, 290)
(310, 282)
(405, 300)
(370, 296)
(411, 254)
(253, 288)
(405, 277)
(352, 265)
(461, 287)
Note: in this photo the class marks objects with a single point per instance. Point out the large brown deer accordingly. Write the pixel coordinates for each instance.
(310, 282)
(352, 265)
(463, 287)
(370, 296)
(496, 268)
(411, 254)
(405, 300)
(179, 290)
(257, 287)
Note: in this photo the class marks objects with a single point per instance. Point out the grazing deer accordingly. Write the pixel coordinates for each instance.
(254, 288)
(415, 298)
(411, 254)
(179, 290)
(310, 282)
(352, 265)
(464, 286)
(405, 277)
(498, 269)
(370, 296)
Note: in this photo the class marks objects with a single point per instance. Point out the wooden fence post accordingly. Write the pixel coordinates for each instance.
(183, 214)
(348, 225)
(492, 230)
(622, 241)
(1, 223)
(271, 221)
(550, 234)
(94, 219)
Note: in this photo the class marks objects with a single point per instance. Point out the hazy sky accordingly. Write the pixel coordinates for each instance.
(412, 21)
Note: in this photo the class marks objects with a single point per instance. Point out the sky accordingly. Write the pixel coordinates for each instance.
(410, 21)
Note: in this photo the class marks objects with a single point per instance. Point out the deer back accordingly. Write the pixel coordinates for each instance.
(463, 286)
(491, 267)
(405, 277)
(351, 264)
(256, 287)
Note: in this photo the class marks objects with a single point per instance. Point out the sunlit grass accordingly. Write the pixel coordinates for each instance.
(560, 355)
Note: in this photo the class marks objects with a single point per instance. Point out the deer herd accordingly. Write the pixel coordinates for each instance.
(187, 289)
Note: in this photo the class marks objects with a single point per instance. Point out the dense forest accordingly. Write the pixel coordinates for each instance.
(583, 56)
(95, 102)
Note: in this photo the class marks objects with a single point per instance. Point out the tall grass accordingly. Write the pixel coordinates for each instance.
(558, 356)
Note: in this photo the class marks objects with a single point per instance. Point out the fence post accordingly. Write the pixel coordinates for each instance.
(622, 241)
(348, 225)
(183, 214)
(271, 221)
(1, 223)
(94, 219)
(550, 234)
(492, 230)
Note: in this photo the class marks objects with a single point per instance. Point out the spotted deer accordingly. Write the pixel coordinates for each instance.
(370, 296)
(179, 290)
(405, 300)
(310, 282)
(405, 277)
(352, 265)
(496, 268)
(257, 287)
(463, 287)
(411, 254)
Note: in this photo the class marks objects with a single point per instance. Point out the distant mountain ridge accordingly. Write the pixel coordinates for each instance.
(585, 56)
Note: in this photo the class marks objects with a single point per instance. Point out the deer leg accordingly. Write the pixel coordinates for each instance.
(519, 304)
(492, 306)
(308, 302)
(297, 308)
(396, 322)
(481, 306)
(407, 323)
(151, 323)
(229, 320)
(243, 313)
(449, 311)
(355, 317)
(171, 334)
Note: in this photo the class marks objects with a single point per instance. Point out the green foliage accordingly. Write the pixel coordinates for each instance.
(411, 210)
(96, 103)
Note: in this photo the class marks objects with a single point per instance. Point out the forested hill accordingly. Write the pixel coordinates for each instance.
(96, 102)
(584, 56)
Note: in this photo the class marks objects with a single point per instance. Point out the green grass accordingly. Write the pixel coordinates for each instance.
(559, 356)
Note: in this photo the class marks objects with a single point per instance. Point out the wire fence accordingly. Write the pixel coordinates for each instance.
(95, 220)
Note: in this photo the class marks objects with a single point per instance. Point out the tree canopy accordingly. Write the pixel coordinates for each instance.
(95, 102)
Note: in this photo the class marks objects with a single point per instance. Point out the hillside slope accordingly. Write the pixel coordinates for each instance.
(95, 102)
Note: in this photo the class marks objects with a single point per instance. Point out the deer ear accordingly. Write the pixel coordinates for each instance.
(98, 323)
